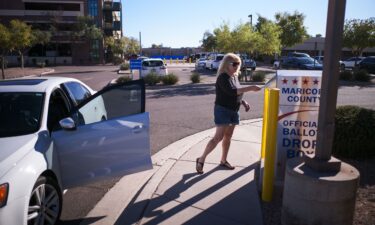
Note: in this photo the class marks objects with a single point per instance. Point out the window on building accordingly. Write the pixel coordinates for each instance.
(52, 6)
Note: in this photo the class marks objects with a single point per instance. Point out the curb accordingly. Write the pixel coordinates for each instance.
(143, 184)
(41, 74)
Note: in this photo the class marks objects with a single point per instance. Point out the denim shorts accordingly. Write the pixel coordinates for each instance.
(225, 116)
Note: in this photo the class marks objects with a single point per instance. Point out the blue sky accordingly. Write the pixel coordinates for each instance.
(176, 23)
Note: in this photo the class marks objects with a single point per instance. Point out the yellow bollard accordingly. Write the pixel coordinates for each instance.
(164, 61)
(176, 61)
(265, 112)
(270, 145)
(170, 60)
(189, 60)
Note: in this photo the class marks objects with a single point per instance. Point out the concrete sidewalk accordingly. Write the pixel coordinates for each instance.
(173, 193)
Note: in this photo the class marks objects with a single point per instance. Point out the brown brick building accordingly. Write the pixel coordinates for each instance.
(42, 14)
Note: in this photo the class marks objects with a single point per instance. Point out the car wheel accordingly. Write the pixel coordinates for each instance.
(45, 202)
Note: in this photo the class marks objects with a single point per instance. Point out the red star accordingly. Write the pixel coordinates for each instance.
(295, 81)
(285, 81)
(316, 82)
(305, 81)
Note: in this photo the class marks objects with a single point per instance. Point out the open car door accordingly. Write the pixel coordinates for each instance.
(107, 135)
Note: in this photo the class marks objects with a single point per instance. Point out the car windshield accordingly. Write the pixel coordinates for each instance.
(152, 63)
(20, 113)
(220, 57)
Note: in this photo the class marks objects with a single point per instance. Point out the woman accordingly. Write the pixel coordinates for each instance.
(227, 103)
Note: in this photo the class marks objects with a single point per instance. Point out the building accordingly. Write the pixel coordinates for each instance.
(314, 46)
(63, 49)
(170, 53)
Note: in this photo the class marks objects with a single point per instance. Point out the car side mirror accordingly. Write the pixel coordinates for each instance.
(68, 124)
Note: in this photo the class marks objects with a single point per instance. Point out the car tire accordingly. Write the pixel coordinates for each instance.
(45, 204)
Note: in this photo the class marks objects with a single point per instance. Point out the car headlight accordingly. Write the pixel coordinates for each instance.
(4, 189)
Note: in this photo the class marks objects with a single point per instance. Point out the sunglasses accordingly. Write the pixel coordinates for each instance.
(235, 64)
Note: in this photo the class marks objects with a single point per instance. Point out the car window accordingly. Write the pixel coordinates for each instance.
(57, 109)
(77, 92)
(116, 101)
(20, 113)
(152, 63)
(220, 57)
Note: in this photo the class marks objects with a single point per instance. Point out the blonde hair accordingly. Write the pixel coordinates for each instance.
(229, 58)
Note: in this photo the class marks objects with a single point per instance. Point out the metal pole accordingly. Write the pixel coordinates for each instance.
(140, 43)
(251, 20)
(332, 51)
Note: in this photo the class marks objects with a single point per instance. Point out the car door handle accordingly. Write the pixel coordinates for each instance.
(137, 128)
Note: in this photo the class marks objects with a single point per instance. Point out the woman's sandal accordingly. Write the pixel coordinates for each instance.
(227, 165)
(199, 166)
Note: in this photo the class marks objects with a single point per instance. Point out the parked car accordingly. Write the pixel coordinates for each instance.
(350, 63)
(153, 65)
(200, 63)
(298, 54)
(213, 61)
(319, 59)
(247, 62)
(301, 63)
(368, 64)
(57, 133)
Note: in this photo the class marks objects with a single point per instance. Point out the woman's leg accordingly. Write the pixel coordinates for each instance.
(228, 132)
(213, 142)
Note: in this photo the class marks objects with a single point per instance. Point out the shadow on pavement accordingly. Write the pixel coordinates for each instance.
(138, 210)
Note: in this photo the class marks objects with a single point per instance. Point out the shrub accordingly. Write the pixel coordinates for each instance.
(354, 132)
(345, 75)
(123, 79)
(151, 79)
(169, 79)
(361, 75)
(125, 66)
(117, 60)
(259, 76)
(195, 78)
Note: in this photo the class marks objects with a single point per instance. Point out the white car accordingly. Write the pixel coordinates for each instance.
(213, 61)
(153, 65)
(200, 63)
(57, 133)
(350, 63)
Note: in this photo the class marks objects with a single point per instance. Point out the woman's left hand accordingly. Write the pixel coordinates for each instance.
(246, 105)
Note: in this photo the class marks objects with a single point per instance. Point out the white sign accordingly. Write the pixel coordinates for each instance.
(298, 115)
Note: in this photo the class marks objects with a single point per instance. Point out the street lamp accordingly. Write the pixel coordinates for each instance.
(251, 19)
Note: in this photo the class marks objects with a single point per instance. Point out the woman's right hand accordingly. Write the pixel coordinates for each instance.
(256, 88)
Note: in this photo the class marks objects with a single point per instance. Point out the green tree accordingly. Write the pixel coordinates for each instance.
(22, 38)
(261, 20)
(268, 41)
(209, 41)
(359, 34)
(292, 29)
(132, 46)
(86, 30)
(5, 46)
(244, 39)
(224, 38)
(156, 46)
